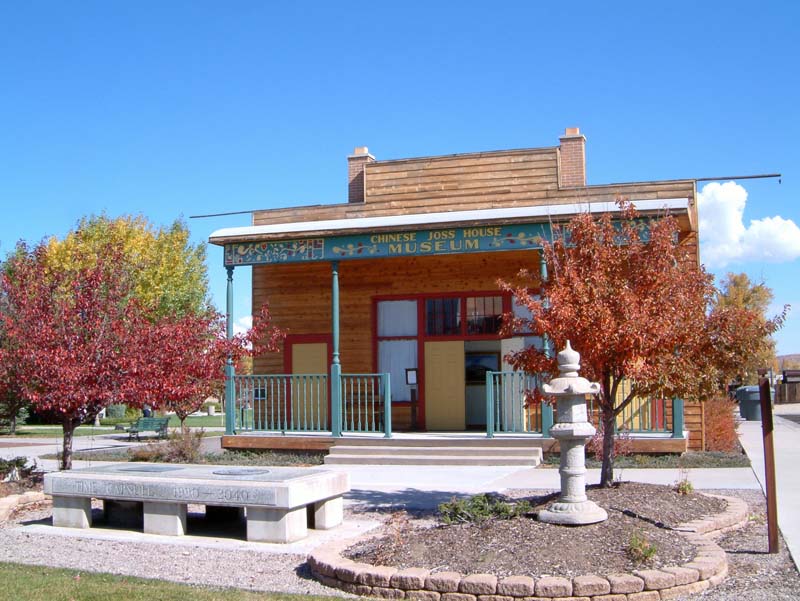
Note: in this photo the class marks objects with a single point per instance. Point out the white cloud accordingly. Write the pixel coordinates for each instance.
(241, 325)
(725, 239)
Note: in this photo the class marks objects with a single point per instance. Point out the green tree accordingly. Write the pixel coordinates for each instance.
(737, 291)
(169, 272)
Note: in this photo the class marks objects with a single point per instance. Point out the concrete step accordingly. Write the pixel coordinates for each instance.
(461, 460)
(433, 441)
(346, 449)
(345, 454)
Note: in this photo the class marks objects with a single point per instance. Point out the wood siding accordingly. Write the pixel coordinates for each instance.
(694, 422)
(299, 296)
(473, 181)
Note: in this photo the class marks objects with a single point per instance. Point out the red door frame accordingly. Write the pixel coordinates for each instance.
(291, 340)
(422, 337)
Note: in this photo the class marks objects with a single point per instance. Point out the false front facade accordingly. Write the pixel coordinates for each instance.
(391, 301)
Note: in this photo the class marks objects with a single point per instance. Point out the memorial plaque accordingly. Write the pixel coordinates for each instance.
(149, 468)
(238, 471)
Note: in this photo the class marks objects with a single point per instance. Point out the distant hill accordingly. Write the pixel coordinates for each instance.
(789, 361)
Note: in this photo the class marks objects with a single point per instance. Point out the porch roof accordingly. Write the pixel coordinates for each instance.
(528, 214)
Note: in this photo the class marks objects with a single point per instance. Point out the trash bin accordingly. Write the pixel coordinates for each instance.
(749, 399)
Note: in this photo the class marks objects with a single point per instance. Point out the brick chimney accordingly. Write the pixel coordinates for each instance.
(572, 159)
(356, 176)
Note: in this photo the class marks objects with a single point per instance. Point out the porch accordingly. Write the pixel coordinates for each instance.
(410, 294)
(298, 412)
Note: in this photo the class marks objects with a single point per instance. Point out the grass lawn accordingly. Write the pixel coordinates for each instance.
(265, 457)
(56, 432)
(689, 460)
(200, 421)
(34, 583)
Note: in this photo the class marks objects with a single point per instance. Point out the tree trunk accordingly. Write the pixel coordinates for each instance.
(68, 425)
(13, 424)
(607, 471)
(184, 427)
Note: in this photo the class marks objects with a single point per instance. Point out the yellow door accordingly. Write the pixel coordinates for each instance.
(309, 395)
(444, 385)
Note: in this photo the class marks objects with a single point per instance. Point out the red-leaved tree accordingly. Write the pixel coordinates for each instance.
(634, 303)
(189, 354)
(75, 337)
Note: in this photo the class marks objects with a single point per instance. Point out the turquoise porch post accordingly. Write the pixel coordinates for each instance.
(387, 406)
(547, 410)
(230, 390)
(677, 418)
(489, 404)
(336, 368)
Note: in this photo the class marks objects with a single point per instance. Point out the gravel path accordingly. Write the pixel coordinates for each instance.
(199, 565)
(754, 574)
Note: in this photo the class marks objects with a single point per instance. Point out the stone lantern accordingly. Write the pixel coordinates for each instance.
(572, 430)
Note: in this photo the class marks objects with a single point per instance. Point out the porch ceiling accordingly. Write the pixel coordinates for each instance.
(360, 225)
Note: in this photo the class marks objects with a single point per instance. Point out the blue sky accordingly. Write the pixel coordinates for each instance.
(174, 109)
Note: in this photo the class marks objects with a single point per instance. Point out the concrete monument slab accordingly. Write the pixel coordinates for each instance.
(276, 499)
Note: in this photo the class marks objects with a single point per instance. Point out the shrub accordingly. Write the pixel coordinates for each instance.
(623, 445)
(683, 485)
(639, 549)
(266, 457)
(181, 447)
(479, 509)
(116, 411)
(720, 424)
(20, 464)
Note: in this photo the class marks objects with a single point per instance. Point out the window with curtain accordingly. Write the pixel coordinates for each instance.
(522, 311)
(394, 357)
(397, 318)
(397, 343)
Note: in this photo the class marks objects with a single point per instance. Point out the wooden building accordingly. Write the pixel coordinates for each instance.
(402, 280)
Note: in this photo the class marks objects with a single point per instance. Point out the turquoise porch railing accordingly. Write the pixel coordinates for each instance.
(507, 409)
(284, 403)
(367, 403)
(300, 403)
(645, 416)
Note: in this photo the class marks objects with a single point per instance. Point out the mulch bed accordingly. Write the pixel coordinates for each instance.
(28, 482)
(524, 546)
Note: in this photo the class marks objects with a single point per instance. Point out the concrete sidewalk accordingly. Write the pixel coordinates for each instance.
(425, 487)
(787, 459)
(409, 483)
(35, 447)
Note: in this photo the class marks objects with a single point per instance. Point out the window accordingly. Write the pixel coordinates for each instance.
(394, 357)
(443, 316)
(463, 316)
(397, 318)
(484, 314)
(397, 343)
(522, 312)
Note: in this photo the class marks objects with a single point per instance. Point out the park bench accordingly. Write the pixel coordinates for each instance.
(149, 424)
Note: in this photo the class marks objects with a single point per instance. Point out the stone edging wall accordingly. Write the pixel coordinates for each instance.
(11, 502)
(707, 569)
